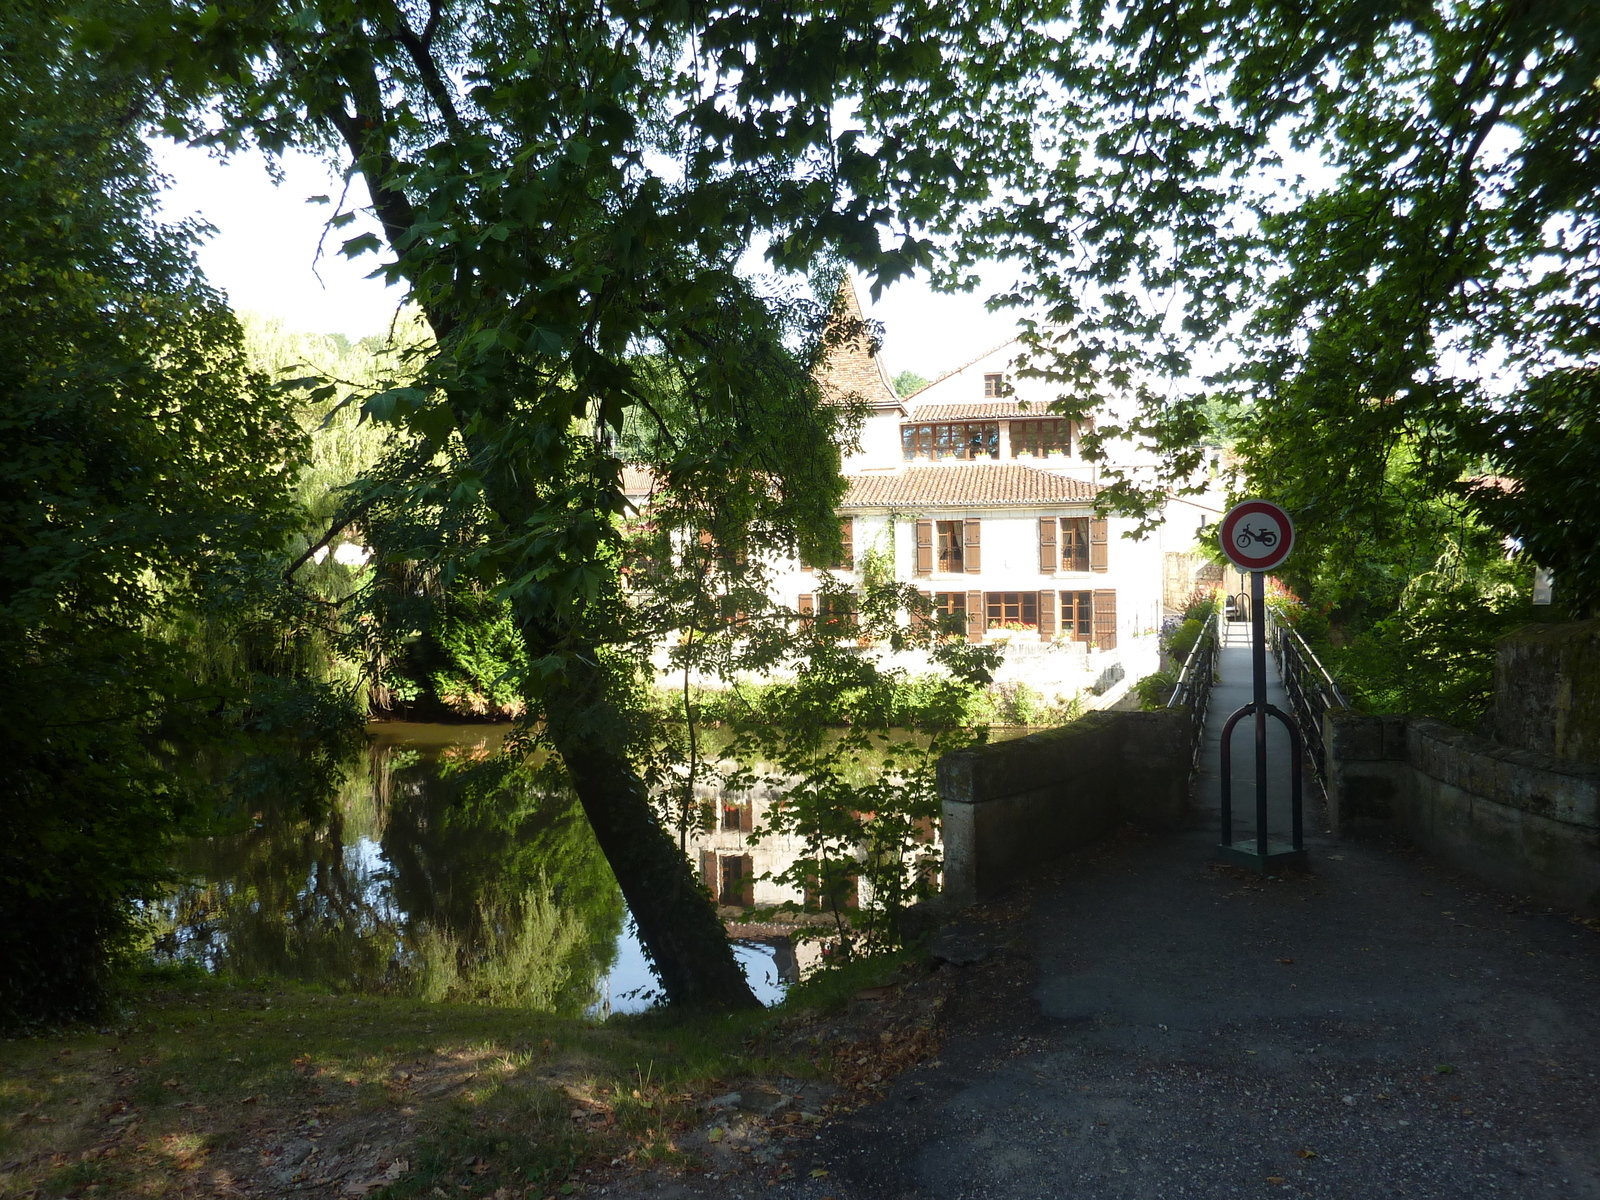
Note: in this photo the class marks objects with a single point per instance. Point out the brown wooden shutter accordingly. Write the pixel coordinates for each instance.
(747, 879)
(708, 872)
(1105, 619)
(1047, 616)
(924, 547)
(847, 538)
(747, 816)
(1097, 545)
(971, 550)
(1047, 544)
(976, 623)
(808, 607)
(920, 623)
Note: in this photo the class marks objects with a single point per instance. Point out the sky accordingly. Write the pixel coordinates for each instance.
(264, 256)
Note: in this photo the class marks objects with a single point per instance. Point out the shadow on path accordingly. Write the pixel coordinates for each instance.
(1174, 1028)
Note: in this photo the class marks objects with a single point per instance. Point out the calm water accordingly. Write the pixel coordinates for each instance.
(439, 872)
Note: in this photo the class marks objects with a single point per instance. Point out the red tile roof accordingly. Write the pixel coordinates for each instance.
(638, 481)
(967, 485)
(978, 409)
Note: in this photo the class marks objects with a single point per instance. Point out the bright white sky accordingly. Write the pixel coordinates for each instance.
(265, 249)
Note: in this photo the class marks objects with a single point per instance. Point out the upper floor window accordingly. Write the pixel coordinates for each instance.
(994, 386)
(1041, 438)
(952, 548)
(951, 439)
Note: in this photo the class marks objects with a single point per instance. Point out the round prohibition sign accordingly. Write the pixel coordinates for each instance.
(1257, 535)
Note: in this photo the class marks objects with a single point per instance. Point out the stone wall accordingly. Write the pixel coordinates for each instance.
(1547, 690)
(1018, 805)
(1519, 819)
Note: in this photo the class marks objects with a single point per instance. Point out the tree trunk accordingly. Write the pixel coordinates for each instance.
(676, 921)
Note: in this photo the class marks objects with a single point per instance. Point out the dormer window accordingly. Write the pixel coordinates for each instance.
(993, 386)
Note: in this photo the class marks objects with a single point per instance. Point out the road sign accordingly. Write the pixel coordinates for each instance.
(1257, 535)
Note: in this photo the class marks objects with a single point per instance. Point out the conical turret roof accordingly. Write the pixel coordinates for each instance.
(853, 369)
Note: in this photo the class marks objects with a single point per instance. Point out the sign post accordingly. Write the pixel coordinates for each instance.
(1257, 537)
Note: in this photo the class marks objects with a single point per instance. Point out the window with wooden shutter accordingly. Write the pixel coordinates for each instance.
(1105, 619)
(1077, 616)
(975, 623)
(924, 547)
(1075, 543)
(1097, 546)
(1047, 616)
(952, 556)
(950, 613)
(738, 816)
(972, 551)
(1010, 609)
(1047, 545)
(847, 540)
(807, 607)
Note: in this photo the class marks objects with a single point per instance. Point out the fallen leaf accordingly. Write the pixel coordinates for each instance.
(818, 1173)
(1274, 1178)
(249, 1099)
(715, 1135)
(1305, 1153)
(1288, 962)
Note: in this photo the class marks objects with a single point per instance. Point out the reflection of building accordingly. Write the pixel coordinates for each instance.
(732, 865)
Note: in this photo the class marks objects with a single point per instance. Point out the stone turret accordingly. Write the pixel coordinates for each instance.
(853, 369)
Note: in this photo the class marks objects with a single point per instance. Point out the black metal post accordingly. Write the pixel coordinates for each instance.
(1258, 697)
(1263, 857)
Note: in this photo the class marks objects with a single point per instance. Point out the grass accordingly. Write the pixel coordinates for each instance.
(212, 1088)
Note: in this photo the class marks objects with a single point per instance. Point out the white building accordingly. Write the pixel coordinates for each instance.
(983, 500)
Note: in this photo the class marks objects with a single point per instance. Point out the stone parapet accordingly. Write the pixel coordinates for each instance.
(1522, 820)
(1014, 806)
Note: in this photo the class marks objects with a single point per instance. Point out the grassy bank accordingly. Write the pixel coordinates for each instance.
(207, 1088)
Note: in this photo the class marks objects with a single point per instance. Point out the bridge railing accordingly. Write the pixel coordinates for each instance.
(1193, 689)
(1310, 688)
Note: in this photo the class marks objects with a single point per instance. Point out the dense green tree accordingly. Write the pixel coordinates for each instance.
(909, 381)
(146, 479)
(1376, 227)
(567, 191)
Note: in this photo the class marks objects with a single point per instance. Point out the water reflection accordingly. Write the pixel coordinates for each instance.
(441, 872)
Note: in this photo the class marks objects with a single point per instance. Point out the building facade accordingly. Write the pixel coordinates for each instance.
(981, 498)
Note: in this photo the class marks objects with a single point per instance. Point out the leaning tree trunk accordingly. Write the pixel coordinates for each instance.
(676, 922)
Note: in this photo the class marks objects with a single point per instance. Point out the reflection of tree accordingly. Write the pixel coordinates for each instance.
(487, 888)
(482, 855)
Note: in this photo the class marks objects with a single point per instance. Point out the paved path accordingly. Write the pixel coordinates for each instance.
(1169, 1028)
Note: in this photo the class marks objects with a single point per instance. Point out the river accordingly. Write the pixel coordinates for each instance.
(440, 872)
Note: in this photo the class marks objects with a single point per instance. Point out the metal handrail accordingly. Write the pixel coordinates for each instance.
(1310, 688)
(1193, 688)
